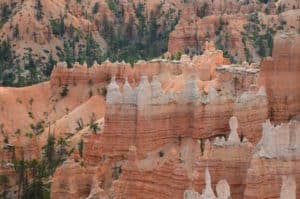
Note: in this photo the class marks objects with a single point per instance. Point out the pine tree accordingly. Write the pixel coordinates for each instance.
(16, 31)
(49, 153)
(92, 50)
(153, 26)
(62, 148)
(69, 54)
(49, 65)
(96, 8)
(62, 26)
(39, 10)
(20, 168)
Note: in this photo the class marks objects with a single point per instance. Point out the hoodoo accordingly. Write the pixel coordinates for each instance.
(136, 99)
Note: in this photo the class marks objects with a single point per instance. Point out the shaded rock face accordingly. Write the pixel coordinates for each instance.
(280, 76)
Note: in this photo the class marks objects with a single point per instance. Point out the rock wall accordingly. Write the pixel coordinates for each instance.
(190, 34)
(237, 78)
(264, 177)
(184, 167)
(81, 74)
(72, 181)
(251, 109)
(276, 157)
(148, 117)
(203, 66)
(281, 77)
(160, 135)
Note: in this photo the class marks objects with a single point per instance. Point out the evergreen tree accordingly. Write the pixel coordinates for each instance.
(129, 30)
(107, 29)
(153, 26)
(92, 50)
(5, 13)
(69, 52)
(62, 148)
(6, 56)
(49, 153)
(203, 11)
(94, 126)
(142, 20)
(58, 26)
(39, 10)
(49, 65)
(4, 184)
(20, 168)
(80, 147)
(96, 8)
(16, 31)
(62, 26)
(6, 63)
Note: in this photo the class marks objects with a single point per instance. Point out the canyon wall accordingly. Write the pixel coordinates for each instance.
(149, 117)
(184, 166)
(190, 35)
(166, 124)
(280, 75)
(276, 157)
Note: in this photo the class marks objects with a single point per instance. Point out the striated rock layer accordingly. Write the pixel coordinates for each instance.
(264, 177)
(149, 121)
(280, 75)
(203, 66)
(167, 121)
(184, 167)
(276, 158)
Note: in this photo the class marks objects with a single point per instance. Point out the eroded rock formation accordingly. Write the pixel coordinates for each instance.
(280, 75)
(273, 170)
(165, 124)
(222, 188)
